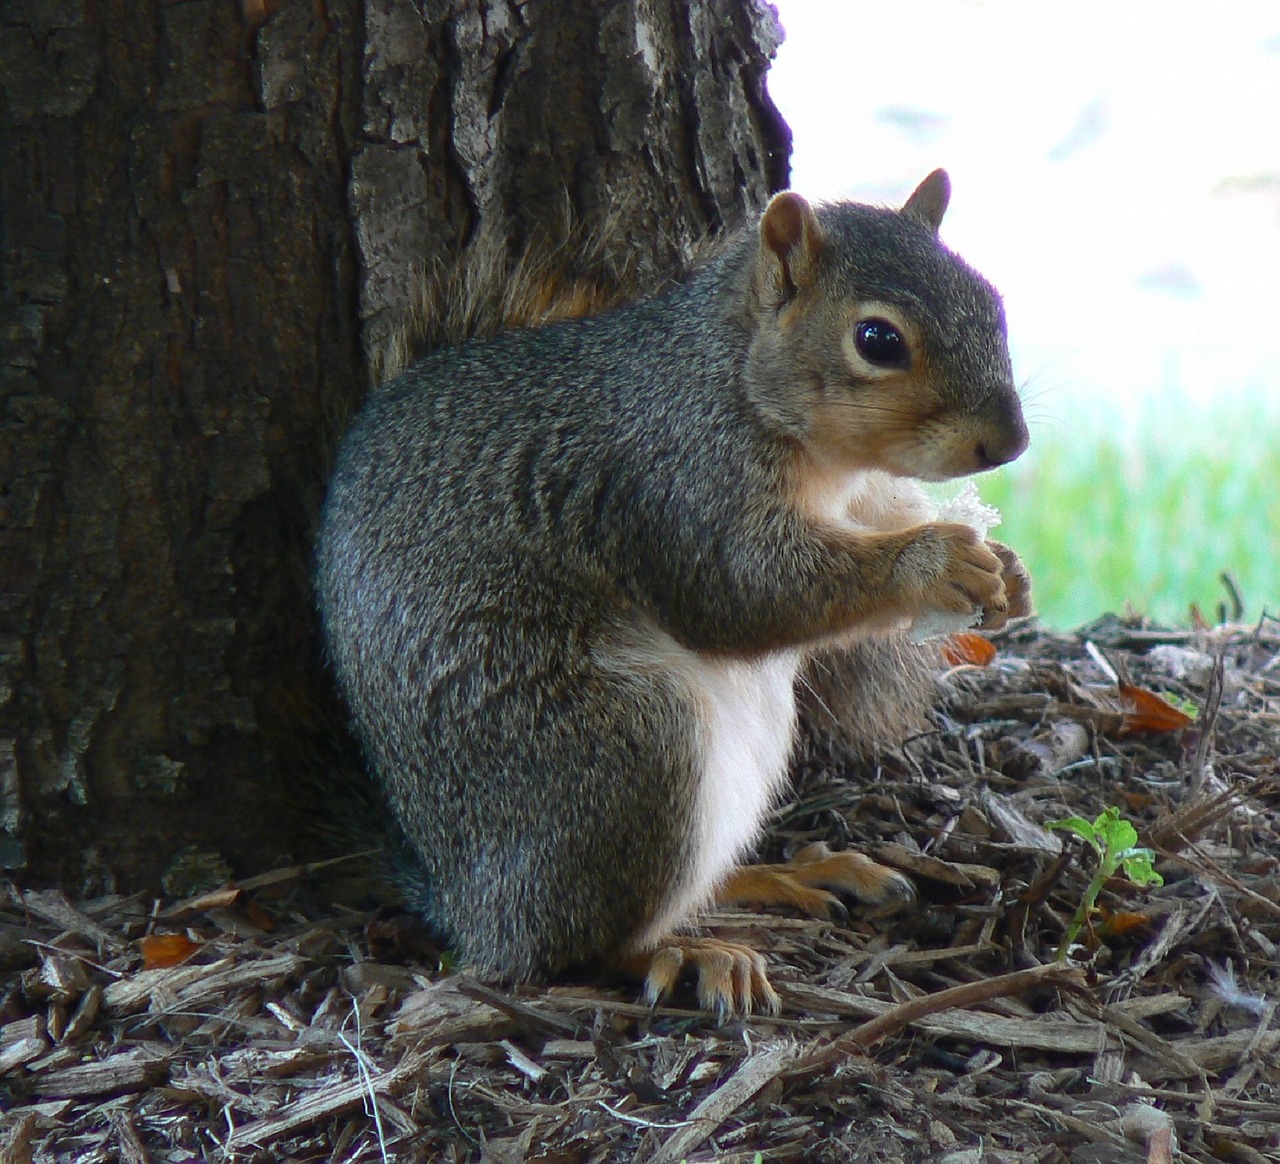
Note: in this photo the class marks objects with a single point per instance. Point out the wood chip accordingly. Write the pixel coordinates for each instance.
(21, 1042)
(1020, 830)
(960, 874)
(739, 1089)
(52, 904)
(188, 983)
(327, 1103)
(132, 1149)
(15, 1148)
(934, 1014)
(127, 1071)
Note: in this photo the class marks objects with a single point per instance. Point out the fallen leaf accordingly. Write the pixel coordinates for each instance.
(259, 916)
(1148, 712)
(967, 648)
(1120, 922)
(163, 950)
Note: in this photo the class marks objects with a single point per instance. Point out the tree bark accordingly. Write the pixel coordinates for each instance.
(215, 217)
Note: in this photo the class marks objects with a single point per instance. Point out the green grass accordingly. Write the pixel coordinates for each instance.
(1149, 518)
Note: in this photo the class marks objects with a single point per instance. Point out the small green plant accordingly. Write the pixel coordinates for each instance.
(1115, 841)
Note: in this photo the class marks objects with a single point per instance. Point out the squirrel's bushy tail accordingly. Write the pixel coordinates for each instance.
(574, 272)
(860, 700)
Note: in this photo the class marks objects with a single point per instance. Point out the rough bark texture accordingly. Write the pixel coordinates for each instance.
(213, 215)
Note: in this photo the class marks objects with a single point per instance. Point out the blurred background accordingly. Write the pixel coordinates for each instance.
(1116, 173)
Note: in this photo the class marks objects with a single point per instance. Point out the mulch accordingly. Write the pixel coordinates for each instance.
(951, 1031)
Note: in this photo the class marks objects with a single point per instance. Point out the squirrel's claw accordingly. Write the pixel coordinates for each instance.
(1017, 580)
(1017, 587)
(732, 979)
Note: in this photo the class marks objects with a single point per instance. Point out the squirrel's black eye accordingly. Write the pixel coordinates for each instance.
(879, 342)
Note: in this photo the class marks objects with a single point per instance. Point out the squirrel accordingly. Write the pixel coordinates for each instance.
(569, 577)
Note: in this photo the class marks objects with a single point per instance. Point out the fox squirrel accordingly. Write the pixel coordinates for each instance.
(568, 577)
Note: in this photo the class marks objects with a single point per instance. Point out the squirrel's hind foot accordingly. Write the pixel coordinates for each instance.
(804, 883)
(732, 979)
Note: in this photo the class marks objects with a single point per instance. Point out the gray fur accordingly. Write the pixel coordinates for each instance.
(505, 512)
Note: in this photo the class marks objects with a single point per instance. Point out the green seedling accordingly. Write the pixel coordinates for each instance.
(1115, 841)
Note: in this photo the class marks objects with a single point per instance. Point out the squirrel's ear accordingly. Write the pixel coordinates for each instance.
(790, 241)
(928, 203)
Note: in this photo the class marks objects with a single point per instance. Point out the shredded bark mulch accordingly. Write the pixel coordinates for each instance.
(251, 1023)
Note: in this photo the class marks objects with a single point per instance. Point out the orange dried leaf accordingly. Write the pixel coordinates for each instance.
(1122, 922)
(1147, 712)
(259, 916)
(968, 649)
(163, 950)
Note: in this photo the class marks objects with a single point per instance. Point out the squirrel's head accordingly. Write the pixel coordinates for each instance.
(896, 346)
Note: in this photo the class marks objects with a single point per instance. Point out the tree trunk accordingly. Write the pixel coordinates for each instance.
(215, 217)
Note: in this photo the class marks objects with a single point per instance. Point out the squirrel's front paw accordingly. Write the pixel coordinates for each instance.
(949, 569)
(1017, 587)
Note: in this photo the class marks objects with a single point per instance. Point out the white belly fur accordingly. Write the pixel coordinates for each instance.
(746, 709)
(746, 716)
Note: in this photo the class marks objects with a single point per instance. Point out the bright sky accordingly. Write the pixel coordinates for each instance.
(1115, 168)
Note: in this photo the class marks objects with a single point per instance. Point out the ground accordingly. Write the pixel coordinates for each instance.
(950, 1031)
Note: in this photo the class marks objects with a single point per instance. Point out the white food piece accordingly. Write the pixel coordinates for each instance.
(967, 508)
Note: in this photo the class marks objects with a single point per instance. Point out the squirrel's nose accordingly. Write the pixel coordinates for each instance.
(1004, 443)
